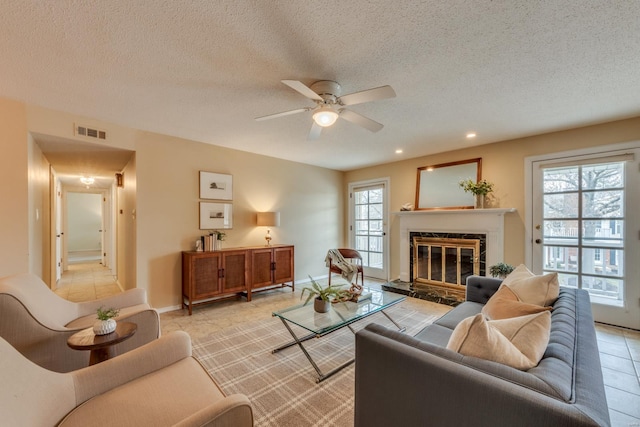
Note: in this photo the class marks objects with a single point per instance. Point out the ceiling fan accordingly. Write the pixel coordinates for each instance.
(330, 104)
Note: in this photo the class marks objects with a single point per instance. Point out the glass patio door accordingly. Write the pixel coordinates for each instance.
(368, 225)
(585, 227)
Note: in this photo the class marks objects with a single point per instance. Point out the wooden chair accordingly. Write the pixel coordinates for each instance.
(353, 257)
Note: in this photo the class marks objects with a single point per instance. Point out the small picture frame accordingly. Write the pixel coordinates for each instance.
(216, 216)
(216, 186)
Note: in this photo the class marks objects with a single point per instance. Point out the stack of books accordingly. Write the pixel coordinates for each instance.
(208, 242)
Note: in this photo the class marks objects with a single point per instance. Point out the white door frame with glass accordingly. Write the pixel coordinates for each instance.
(582, 222)
(368, 225)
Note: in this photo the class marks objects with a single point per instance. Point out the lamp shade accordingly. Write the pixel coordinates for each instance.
(269, 219)
(325, 116)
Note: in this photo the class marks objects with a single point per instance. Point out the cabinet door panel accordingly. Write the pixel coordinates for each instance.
(235, 271)
(205, 276)
(284, 265)
(261, 267)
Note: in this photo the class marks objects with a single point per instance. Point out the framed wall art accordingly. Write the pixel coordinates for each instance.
(216, 186)
(216, 216)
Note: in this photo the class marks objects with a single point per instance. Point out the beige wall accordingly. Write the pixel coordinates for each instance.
(14, 203)
(309, 199)
(39, 212)
(502, 164)
(126, 246)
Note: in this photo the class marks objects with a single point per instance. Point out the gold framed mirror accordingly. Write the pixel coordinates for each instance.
(438, 186)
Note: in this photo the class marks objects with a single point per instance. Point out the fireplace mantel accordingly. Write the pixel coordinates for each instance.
(482, 221)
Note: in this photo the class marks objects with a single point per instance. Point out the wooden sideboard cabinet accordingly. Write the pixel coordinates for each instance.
(213, 276)
(271, 266)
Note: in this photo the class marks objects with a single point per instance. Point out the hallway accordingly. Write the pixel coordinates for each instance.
(87, 281)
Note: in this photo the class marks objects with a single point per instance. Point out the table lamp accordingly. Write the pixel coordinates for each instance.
(268, 219)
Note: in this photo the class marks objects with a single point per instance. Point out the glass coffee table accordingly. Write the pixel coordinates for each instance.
(341, 315)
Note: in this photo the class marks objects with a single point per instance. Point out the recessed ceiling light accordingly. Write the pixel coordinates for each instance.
(398, 151)
(471, 135)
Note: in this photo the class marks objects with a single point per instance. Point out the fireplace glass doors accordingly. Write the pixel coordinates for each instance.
(445, 261)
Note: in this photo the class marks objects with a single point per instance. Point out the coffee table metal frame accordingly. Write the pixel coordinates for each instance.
(341, 315)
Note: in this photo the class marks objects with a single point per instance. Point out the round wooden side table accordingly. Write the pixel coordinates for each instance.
(101, 346)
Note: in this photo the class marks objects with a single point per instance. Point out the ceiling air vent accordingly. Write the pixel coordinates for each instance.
(90, 132)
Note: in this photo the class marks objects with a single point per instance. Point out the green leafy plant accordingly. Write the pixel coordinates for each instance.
(481, 187)
(501, 270)
(317, 291)
(106, 314)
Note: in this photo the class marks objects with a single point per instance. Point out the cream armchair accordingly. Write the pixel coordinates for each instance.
(158, 384)
(37, 322)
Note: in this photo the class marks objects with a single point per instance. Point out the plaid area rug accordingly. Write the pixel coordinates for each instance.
(282, 387)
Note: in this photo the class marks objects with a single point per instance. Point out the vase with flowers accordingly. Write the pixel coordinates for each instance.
(479, 189)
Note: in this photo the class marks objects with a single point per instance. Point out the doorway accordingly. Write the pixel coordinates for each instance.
(368, 225)
(85, 225)
(584, 226)
(85, 167)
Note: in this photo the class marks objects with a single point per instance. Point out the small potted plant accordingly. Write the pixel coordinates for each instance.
(322, 300)
(106, 322)
(500, 270)
(479, 189)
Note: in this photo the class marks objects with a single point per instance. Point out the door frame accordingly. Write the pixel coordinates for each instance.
(386, 183)
(108, 233)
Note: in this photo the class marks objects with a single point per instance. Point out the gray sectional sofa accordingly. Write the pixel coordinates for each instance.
(416, 381)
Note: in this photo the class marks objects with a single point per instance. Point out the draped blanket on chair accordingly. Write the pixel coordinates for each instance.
(334, 257)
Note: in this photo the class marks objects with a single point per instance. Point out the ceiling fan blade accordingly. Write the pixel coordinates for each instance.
(361, 120)
(315, 132)
(303, 89)
(284, 113)
(382, 92)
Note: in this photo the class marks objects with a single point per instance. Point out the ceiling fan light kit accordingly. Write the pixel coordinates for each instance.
(329, 102)
(325, 116)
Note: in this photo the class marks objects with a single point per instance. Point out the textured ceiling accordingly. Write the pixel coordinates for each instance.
(204, 70)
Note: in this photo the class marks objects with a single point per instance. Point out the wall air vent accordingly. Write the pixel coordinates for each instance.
(88, 132)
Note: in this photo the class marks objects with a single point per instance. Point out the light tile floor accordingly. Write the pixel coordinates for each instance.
(619, 348)
(87, 281)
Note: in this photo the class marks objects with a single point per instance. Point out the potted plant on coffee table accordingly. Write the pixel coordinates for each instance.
(106, 322)
(322, 297)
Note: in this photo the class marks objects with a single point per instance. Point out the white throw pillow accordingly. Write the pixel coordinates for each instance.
(518, 342)
(532, 289)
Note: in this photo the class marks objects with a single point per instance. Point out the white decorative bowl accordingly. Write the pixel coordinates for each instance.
(104, 327)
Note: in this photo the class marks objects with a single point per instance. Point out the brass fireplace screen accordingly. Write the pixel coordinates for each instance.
(445, 261)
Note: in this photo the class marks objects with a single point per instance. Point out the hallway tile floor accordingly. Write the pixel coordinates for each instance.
(87, 281)
(619, 348)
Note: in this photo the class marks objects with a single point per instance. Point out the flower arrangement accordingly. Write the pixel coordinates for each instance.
(220, 235)
(482, 187)
(106, 314)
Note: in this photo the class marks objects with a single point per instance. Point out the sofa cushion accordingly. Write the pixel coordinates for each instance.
(167, 397)
(518, 342)
(504, 304)
(532, 289)
(452, 318)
